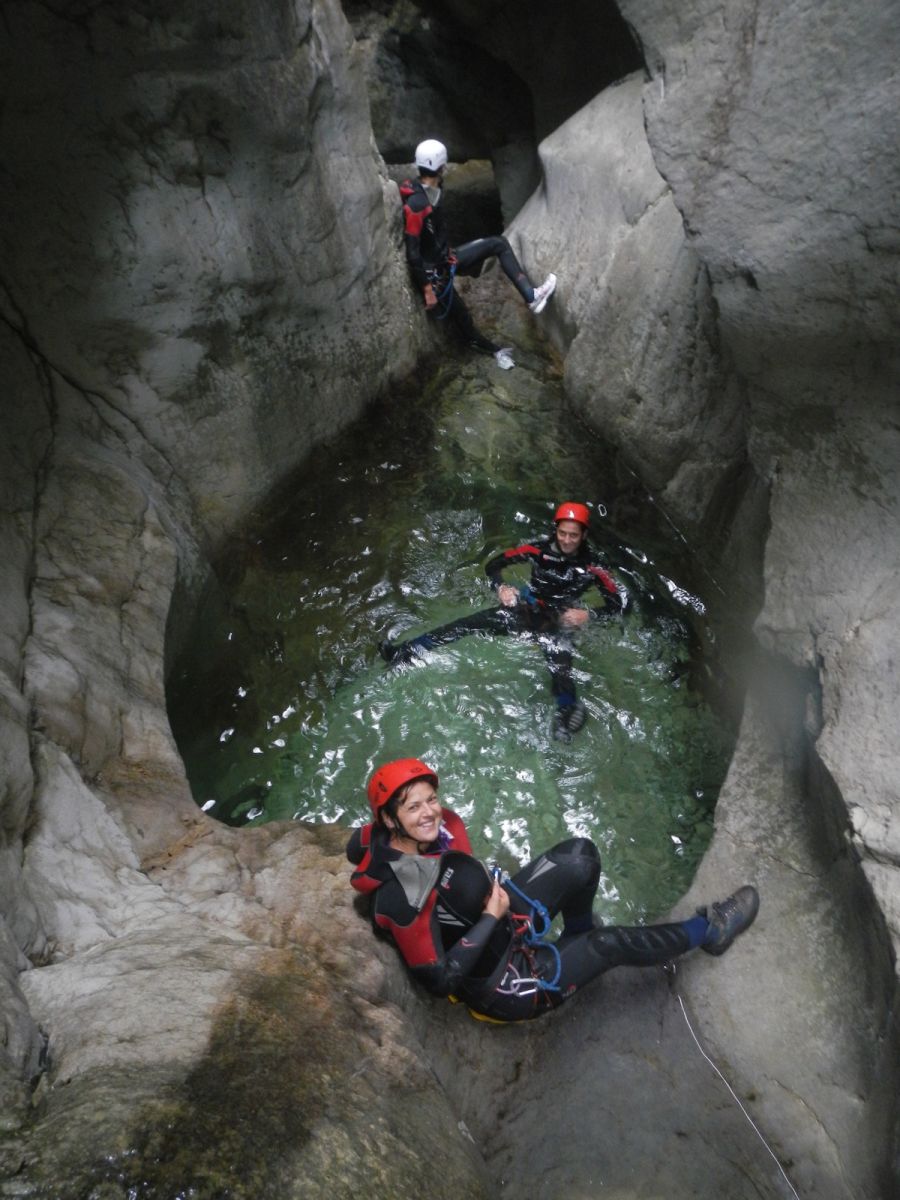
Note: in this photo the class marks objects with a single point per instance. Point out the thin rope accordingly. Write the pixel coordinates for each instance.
(735, 1096)
(660, 509)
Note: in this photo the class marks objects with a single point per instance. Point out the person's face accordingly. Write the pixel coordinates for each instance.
(420, 813)
(569, 536)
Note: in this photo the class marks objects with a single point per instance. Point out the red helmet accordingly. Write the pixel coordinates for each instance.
(573, 512)
(388, 779)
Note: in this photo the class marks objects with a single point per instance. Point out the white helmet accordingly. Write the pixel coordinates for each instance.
(431, 156)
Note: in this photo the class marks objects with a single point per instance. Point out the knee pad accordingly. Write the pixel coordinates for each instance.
(578, 855)
(577, 847)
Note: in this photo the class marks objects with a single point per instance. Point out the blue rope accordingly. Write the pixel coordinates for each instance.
(447, 290)
(527, 594)
(538, 937)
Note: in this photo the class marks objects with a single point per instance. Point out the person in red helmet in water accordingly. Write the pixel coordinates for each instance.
(433, 264)
(550, 608)
(463, 931)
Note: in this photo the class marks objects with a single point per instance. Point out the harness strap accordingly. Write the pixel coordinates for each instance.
(528, 595)
(531, 938)
(436, 278)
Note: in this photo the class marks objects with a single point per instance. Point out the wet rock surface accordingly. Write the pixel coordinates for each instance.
(228, 1033)
(195, 220)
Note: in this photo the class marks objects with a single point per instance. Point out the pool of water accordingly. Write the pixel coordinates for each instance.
(281, 706)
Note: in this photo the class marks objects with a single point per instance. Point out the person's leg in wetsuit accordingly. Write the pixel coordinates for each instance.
(472, 256)
(570, 713)
(499, 621)
(460, 319)
(565, 880)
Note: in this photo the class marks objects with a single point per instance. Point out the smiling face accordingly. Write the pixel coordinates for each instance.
(418, 814)
(569, 536)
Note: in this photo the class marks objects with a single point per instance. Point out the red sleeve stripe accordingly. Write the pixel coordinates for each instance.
(413, 221)
(605, 578)
(521, 550)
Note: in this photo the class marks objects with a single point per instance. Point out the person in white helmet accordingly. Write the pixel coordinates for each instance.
(433, 262)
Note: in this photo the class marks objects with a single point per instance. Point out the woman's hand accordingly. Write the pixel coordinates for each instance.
(497, 903)
(508, 595)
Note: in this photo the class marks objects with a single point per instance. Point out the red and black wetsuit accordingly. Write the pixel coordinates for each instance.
(491, 967)
(430, 259)
(405, 898)
(558, 581)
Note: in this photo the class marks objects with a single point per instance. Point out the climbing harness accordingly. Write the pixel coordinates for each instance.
(670, 971)
(528, 596)
(435, 278)
(531, 938)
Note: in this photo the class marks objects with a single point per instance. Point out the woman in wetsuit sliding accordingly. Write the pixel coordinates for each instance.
(465, 933)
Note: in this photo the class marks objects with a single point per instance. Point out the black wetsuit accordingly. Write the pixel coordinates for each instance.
(431, 260)
(492, 967)
(557, 582)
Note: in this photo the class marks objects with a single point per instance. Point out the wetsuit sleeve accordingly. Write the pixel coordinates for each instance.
(608, 588)
(366, 849)
(414, 215)
(518, 554)
(356, 847)
(446, 975)
(457, 830)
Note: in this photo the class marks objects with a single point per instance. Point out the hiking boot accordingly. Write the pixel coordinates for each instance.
(568, 720)
(577, 715)
(559, 728)
(542, 294)
(504, 358)
(729, 918)
(388, 650)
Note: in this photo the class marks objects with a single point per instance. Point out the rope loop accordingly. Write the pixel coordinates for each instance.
(447, 291)
(534, 936)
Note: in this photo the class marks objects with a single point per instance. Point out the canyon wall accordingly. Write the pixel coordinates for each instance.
(201, 270)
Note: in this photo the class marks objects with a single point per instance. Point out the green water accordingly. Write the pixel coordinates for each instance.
(282, 707)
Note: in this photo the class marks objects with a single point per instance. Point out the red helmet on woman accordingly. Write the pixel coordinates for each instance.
(388, 779)
(570, 511)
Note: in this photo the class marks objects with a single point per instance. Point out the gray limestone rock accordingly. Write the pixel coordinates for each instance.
(201, 270)
(633, 306)
(204, 246)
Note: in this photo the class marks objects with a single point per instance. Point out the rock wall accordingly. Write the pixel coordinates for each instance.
(743, 359)
(196, 236)
(772, 124)
(634, 309)
(723, 234)
(200, 274)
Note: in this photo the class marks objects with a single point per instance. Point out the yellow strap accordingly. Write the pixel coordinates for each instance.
(482, 1016)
